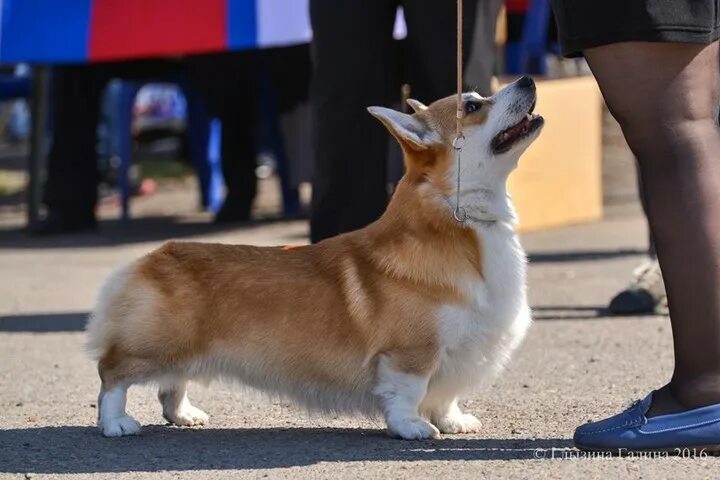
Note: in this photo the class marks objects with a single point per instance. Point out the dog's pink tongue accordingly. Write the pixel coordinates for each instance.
(519, 127)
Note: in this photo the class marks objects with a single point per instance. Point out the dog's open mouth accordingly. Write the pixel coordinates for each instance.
(504, 140)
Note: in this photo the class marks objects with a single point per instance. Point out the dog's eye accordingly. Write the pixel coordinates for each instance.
(472, 107)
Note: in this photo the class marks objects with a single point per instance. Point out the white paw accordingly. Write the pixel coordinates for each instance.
(459, 423)
(413, 429)
(187, 416)
(120, 426)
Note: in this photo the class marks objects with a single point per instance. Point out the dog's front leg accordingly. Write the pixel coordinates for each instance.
(450, 419)
(400, 391)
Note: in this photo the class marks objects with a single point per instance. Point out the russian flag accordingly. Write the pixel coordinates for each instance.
(72, 31)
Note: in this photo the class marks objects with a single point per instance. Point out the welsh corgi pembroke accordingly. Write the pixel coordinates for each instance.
(401, 318)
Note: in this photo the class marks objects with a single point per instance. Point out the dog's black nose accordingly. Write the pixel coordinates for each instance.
(525, 81)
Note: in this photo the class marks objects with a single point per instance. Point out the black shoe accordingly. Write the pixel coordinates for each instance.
(632, 301)
(645, 295)
(59, 221)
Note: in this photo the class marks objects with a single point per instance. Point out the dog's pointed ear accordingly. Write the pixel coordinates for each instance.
(416, 105)
(411, 132)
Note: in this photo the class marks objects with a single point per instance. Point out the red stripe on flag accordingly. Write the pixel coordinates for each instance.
(144, 28)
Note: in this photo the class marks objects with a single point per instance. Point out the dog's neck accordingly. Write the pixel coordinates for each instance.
(418, 239)
(484, 206)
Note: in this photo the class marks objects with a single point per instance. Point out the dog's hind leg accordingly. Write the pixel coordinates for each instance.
(112, 418)
(117, 373)
(176, 407)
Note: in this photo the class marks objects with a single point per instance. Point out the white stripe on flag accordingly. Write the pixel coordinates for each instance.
(287, 22)
(283, 22)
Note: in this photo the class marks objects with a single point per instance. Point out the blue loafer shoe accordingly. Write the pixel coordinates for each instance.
(631, 431)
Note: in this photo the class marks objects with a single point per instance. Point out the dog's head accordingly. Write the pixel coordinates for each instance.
(497, 131)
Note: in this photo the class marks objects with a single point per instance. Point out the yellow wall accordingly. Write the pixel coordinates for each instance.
(559, 180)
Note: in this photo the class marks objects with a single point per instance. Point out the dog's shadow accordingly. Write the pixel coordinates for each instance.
(83, 450)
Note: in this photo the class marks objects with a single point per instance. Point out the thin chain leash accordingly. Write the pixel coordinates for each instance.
(459, 213)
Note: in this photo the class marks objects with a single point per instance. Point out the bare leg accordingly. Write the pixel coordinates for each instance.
(665, 96)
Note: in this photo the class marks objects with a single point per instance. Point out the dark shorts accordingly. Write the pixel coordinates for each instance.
(591, 23)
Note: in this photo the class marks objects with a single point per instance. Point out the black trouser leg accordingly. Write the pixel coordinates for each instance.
(352, 53)
(72, 174)
(432, 45)
(228, 84)
(239, 152)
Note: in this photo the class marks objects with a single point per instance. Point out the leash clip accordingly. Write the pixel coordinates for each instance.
(459, 141)
(459, 213)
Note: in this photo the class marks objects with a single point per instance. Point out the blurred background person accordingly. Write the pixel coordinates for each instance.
(227, 82)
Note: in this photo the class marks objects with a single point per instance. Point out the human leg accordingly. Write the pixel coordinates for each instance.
(665, 97)
(70, 191)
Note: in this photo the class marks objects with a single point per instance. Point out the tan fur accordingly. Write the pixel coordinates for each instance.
(350, 297)
(441, 116)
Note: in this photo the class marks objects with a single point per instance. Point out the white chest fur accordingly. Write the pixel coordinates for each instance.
(476, 340)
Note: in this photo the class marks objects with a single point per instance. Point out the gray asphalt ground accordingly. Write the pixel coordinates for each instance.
(577, 364)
